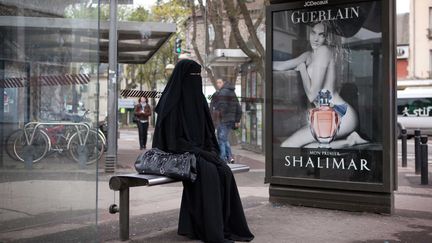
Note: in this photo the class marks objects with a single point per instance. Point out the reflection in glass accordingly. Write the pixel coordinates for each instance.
(49, 110)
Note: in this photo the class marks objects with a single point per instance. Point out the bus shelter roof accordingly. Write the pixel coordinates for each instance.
(79, 40)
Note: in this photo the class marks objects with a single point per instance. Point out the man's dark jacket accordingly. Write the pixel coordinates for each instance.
(225, 101)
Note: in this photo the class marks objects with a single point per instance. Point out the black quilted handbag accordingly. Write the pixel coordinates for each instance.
(177, 166)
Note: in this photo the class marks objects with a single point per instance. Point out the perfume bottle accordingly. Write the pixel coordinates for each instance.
(324, 120)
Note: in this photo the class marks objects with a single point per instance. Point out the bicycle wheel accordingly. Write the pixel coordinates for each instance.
(94, 147)
(39, 146)
(10, 143)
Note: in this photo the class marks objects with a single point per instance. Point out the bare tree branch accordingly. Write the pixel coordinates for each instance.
(195, 46)
(250, 27)
(259, 20)
(215, 15)
(207, 34)
(233, 19)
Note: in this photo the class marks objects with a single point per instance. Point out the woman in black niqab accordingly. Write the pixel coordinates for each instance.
(211, 208)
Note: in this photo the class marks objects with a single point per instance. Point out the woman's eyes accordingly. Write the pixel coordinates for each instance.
(319, 34)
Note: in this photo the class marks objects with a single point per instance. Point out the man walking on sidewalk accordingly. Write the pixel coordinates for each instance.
(226, 113)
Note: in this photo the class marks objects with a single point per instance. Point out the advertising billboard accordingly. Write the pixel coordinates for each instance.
(329, 112)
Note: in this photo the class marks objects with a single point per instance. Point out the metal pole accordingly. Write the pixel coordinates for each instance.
(27, 114)
(417, 135)
(124, 214)
(424, 160)
(111, 156)
(2, 99)
(207, 37)
(404, 147)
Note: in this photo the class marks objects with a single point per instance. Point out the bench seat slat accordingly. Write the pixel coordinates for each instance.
(119, 182)
(239, 168)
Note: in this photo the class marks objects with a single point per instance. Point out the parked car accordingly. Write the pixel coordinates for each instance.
(414, 110)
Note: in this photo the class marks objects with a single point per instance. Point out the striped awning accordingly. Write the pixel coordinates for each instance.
(140, 93)
(12, 83)
(51, 80)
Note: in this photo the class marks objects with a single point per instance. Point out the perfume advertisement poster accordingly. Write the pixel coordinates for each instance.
(327, 108)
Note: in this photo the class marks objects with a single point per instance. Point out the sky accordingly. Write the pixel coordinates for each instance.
(145, 3)
(402, 6)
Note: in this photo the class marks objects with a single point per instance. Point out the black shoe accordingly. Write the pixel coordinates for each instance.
(232, 161)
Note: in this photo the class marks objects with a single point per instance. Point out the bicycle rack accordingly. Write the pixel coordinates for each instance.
(33, 126)
(80, 132)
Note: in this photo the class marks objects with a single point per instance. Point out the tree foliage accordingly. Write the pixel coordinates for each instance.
(141, 75)
(139, 14)
(88, 10)
(173, 11)
(153, 71)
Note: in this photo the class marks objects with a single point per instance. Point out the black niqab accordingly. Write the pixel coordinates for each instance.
(211, 208)
(183, 109)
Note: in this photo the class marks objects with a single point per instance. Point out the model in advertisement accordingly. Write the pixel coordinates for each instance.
(332, 121)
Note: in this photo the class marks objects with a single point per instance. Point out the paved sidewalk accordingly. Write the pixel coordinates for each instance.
(412, 221)
(154, 210)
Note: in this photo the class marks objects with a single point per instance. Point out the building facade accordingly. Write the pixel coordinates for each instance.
(420, 39)
(402, 40)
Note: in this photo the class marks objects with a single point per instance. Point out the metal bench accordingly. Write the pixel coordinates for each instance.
(123, 182)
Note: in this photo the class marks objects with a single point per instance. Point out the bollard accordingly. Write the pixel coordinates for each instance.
(424, 160)
(404, 147)
(417, 135)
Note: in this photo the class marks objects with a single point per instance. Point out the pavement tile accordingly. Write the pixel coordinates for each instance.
(64, 210)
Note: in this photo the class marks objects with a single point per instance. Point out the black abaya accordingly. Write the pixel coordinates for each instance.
(211, 208)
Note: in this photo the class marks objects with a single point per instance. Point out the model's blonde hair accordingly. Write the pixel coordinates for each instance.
(333, 39)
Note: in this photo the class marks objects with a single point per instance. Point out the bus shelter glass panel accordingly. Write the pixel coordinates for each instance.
(51, 145)
(252, 108)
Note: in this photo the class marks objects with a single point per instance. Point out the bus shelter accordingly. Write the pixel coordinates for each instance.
(48, 63)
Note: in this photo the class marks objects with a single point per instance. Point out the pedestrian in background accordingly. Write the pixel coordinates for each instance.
(215, 114)
(142, 113)
(226, 111)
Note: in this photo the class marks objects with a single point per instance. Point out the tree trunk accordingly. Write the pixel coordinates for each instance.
(251, 28)
(231, 12)
(209, 72)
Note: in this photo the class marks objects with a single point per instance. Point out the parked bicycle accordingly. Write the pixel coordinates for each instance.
(37, 139)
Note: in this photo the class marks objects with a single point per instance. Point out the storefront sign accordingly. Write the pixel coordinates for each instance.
(5, 102)
(126, 103)
(328, 120)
